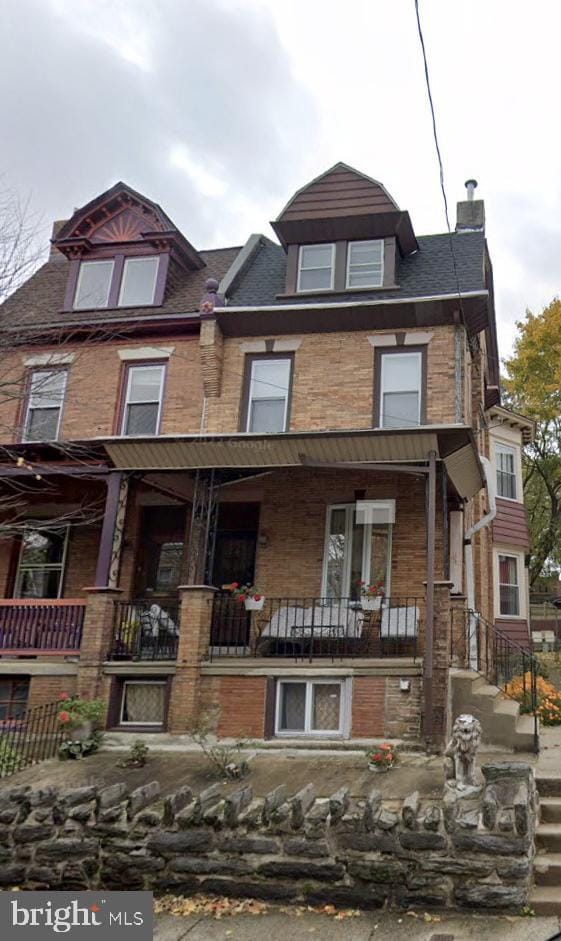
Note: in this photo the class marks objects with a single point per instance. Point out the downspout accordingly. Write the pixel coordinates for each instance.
(490, 481)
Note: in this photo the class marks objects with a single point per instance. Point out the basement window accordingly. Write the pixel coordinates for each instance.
(143, 702)
(311, 707)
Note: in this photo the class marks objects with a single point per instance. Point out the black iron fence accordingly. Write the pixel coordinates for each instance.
(30, 737)
(145, 630)
(478, 645)
(309, 628)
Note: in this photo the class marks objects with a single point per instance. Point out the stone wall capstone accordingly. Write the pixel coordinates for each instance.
(467, 851)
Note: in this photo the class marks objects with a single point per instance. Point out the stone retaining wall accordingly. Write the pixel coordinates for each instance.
(472, 851)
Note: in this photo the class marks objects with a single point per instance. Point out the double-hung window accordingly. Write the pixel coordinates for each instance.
(41, 563)
(400, 397)
(357, 547)
(310, 707)
(44, 404)
(316, 266)
(143, 400)
(505, 458)
(509, 586)
(365, 264)
(93, 286)
(268, 395)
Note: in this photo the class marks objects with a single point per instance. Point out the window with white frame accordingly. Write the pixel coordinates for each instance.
(316, 265)
(93, 285)
(143, 702)
(143, 399)
(357, 548)
(505, 458)
(401, 377)
(365, 264)
(138, 284)
(44, 404)
(509, 586)
(306, 707)
(41, 563)
(269, 385)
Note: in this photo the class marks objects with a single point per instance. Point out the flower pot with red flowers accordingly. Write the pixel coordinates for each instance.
(371, 595)
(248, 595)
(381, 759)
(79, 718)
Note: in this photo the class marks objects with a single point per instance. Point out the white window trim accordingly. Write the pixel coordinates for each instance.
(344, 710)
(366, 547)
(50, 566)
(501, 444)
(256, 362)
(157, 725)
(384, 357)
(122, 284)
(126, 403)
(358, 287)
(522, 583)
(29, 408)
(330, 245)
(98, 261)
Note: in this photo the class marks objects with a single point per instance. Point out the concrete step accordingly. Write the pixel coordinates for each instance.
(548, 785)
(500, 717)
(548, 837)
(547, 870)
(546, 900)
(550, 810)
(507, 707)
(524, 734)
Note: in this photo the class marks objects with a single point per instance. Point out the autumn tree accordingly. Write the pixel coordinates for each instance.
(533, 387)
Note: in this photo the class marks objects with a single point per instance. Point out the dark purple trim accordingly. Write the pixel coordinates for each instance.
(115, 286)
(161, 279)
(108, 530)
(72, 282)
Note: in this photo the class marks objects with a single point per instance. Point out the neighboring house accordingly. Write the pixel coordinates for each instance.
(302, 416)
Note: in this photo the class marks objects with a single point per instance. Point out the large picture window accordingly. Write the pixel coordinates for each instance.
(505, 458)
(44, 404)
(143, 400)
(509, 586)
(41, 563)
(315, 707)
(357, 548)
(268, 395)
(400, 389)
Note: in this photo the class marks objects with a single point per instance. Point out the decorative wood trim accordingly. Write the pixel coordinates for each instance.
(73, 272)
(117, 277)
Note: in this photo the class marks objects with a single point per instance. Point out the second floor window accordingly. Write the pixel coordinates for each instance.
(315, 267)
(401, 376)
(506, 471)
(143, 400)
(41, 563)
(365, 264)
(268, 395)
(44, 405)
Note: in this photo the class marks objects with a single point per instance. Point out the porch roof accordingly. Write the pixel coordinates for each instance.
(453, 444)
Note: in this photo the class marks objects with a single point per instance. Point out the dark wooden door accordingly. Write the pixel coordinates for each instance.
(234, 561)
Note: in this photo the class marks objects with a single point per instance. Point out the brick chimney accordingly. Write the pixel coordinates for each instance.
(470, 214)
(55, 254)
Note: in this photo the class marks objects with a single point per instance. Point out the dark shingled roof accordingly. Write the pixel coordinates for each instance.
(428, 272)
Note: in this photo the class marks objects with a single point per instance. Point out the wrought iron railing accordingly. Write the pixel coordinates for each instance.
(30, 737)
(40, 626)
(145, 630)
(478, 645)
(310, 628)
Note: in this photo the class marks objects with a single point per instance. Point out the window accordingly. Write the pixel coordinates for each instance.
(269, 384)
(509, 589)
(400, 389)
(357, 548)
(310, 707)
(143, 702)
(315, 269)
(143, 400)
(44, 405)
(168, 571)
(365, 264)
(138, 283)
(506, 471)
(13, 697)
(94, 282)
(41, 563)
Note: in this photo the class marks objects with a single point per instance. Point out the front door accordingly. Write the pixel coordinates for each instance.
(234, 561)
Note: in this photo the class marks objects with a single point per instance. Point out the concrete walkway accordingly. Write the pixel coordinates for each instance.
(370, 926)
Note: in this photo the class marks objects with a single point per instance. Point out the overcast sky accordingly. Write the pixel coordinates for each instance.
(220, 109)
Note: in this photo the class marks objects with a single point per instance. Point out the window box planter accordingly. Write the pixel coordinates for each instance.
(252, 604)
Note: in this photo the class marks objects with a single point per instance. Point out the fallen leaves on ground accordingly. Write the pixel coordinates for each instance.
(425, 916)
(220, 906)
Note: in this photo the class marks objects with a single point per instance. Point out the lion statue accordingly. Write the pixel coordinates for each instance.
(461, 751)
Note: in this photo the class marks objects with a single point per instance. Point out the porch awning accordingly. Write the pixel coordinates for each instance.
(454, 444)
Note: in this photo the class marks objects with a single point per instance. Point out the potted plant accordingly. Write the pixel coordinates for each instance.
(248, 595)
(371, 595)
(382, 758)
(79, 716)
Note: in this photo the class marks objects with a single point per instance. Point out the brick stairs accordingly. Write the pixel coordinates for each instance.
(546, 894)
(500, 717)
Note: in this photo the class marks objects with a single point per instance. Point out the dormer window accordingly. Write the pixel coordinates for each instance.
(316, 266)
(138, 283)
(365, 264)
(94, 284)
